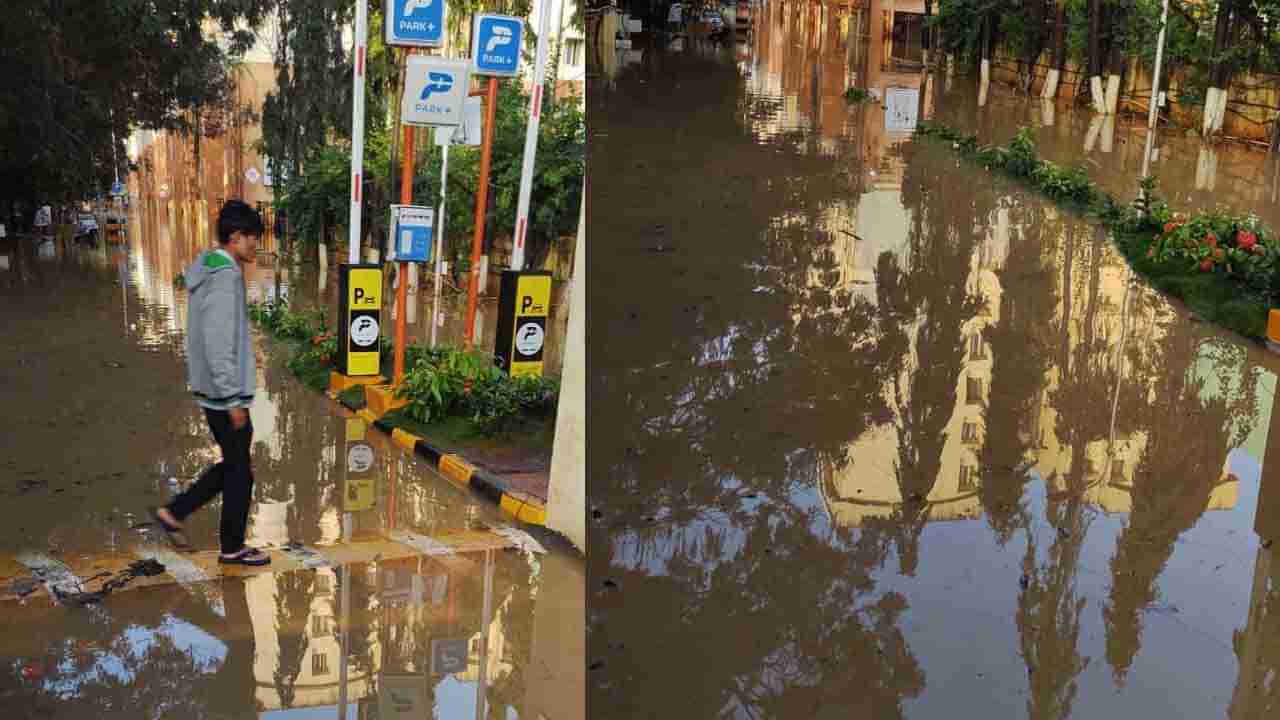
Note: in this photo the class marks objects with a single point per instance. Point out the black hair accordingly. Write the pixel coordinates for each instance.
(237, 216)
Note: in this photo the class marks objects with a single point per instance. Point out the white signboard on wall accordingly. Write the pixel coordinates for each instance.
(901, 109)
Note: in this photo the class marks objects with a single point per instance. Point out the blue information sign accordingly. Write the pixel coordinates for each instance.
(414, 227)
(495, 49)
(416, 23)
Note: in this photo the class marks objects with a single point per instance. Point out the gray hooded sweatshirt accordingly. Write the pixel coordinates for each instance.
(220, 361)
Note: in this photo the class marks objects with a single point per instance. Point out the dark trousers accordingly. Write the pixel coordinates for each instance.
(232, 478)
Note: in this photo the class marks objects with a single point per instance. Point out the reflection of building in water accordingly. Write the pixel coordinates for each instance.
(806, 55)
(316, 683)
(866, 484)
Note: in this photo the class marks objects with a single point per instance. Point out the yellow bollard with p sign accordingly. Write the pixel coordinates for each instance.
(523, 305)
(359, 319)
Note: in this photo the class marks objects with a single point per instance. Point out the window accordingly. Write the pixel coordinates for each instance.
(973, 391)
(573, 51)
(968, 478)
(321, 626)
(969, 436)
(319, 664)
(977, 349)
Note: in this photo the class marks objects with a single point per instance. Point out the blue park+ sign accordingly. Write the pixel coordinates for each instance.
(495, 49)
(434, 91)
(117, 188)
(416, 23)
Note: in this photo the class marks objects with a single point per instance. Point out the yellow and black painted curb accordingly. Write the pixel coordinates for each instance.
(521, 506)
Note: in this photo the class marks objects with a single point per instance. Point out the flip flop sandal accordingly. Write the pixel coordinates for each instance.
(246, 556)
(172, 532)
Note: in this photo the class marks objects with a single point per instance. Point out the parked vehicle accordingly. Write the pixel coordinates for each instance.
(713, 21)
(87, 228)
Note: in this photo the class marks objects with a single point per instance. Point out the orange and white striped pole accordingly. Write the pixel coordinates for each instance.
(531, 137)
(357, 126)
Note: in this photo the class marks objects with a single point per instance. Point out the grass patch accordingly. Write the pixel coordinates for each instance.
(1223, 267)
(453, 433)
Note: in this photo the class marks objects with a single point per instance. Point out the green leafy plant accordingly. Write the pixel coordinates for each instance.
(855, 95)
(496, 403)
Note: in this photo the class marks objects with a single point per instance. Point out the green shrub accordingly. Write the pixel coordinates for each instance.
(497, 402)
(436, 385)
(855, 96)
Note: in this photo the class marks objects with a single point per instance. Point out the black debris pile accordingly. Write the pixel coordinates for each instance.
(114, 581)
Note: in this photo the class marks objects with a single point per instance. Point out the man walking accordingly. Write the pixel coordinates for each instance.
(222, 372)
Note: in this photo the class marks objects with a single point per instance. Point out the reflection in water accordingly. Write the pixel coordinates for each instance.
(377, 630)
(894, 422)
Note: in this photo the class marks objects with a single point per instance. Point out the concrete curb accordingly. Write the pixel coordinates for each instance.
(521, 506)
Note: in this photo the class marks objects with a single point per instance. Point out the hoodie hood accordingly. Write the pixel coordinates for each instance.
(206, 264)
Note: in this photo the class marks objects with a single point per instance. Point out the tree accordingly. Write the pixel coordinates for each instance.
(73, 73)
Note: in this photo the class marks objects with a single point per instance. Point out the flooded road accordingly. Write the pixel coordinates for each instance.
(392, 592)
(891, 437)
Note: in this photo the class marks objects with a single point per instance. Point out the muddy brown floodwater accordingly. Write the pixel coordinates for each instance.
(890, 437)
(401, 595)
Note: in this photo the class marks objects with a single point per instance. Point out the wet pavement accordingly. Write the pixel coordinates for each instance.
(392, 593)
(891, 436)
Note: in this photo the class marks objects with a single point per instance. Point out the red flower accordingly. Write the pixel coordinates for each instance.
(1170, 227)
(1246, 240)
(1212, 240)
(1219, 254)
(1206, 265)
(1151, 252)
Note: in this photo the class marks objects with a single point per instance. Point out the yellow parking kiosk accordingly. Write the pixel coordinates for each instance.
(524, 302)
(359, 319)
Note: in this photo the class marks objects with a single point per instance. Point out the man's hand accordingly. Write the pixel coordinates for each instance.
(239, 416)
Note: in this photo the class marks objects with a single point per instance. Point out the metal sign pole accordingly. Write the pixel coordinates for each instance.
(357, 127)
(482, 197)
(402, 278)
(531, 137)
(440, 244)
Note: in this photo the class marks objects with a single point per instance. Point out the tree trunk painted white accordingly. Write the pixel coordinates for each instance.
(1108, 133)
(1113, 94)
(1206, 168)
(1097, 94)
(1091, 136)
(984, 84)
(1050, 89)
(1048, 109)
(1214, 107)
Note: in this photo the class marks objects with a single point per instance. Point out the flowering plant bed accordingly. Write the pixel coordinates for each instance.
(1221, 265)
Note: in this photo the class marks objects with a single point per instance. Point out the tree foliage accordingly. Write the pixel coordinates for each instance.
(74, 71)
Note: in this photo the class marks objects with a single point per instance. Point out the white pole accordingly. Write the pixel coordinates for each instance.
(444, 178)
(1153, 112)
(531, 136)
(357, 126)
